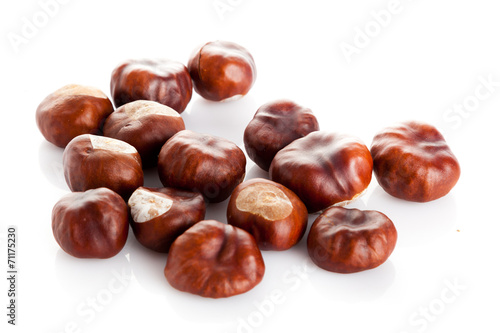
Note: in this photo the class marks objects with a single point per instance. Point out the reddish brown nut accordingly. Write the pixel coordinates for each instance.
(274, 126)
(269, 211)
(91, 224)
(146, 125)
(71, 111)
(350, 240)
(222, 70)
(213, 259)
(412, 161)
(202, 163)
(160, 215)
(164, 81)
(91, 161)
(324, 169)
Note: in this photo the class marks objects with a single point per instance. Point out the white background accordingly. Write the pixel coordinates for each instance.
(425, 59)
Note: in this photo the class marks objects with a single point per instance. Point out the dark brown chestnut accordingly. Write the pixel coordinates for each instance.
(91, 161)
(91, 224)
(165, 81)
(146, 125)
(214, 259)
(350, 240)
(202, 163)
(324, 169)
(160, 215)
(412, 161)
(71, 111)
(222, 70)
(273, 214)
(274, 126)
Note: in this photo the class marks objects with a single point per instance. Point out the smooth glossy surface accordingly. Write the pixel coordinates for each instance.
(346, 240)
(91, 224)
(324, 169)
(215, 260)
(211, 165)
(412, 161)
(161, 80)
(275, 125)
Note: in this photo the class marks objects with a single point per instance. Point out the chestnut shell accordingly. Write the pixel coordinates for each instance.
(222, 70)
(91, 224)
(274, 126)
(86, 168)
(215, 260)
(202, 163)
(279, 233)
(350, 240)
(146, 132)
(159, 233)
(71, 111)
(412, 161)
(324, 169)
(164, 81)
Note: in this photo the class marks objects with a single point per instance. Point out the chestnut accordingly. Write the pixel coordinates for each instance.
(412, 161)
(214, 259)
(161, 80)
(91, 224)
(146, 125)
(274, 126)
(202, 163)
(70, 111)
(350, 240)
(274, 215)
(324, 169)
(222, 70)
(91, 161)
(160, 215)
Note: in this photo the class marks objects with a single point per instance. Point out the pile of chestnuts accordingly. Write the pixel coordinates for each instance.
(311, 171)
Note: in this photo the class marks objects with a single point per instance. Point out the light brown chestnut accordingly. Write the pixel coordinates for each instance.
(71, 111)
(161, 80)
(412, 161)
(214, 259)
(273, 214)
(274, 126)
(324, 169)
(146, 125)
(91, 161)
(91, 224)
(222, 70)
(350, 240)
(160, 215)
(202, 163)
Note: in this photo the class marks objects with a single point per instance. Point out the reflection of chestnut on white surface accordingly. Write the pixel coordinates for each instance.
(91, 161)
(71, 111)
(91, 224)
(146, 125)
(273, 214)
(160, 215)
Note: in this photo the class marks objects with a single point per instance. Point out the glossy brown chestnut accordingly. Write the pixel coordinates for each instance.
(222, 70)
(161, 80)
(70, 111)
(324, 169)
(160, 215)
(146, 125)
(202, 163)
(91, 224)
(215, 260)
(273, 214)
(350, 240)
(412, 161)
(274, 126)
(91, 161)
